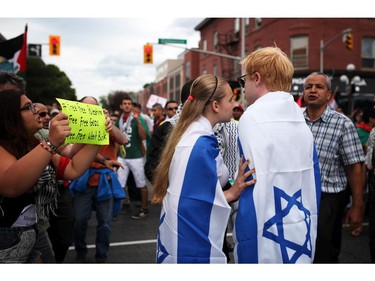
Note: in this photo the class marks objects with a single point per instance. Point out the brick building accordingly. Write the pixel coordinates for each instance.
(311, 44)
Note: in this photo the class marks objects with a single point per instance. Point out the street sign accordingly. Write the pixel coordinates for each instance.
(172, 41)
(35, 50)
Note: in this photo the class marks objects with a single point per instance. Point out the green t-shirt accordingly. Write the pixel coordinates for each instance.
(133, 147)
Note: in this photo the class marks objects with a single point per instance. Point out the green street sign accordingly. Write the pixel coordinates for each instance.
(172, 41)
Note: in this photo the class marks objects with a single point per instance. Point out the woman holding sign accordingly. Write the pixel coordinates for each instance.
(29, 169)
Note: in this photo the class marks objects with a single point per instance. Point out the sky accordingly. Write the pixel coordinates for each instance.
(102, 41)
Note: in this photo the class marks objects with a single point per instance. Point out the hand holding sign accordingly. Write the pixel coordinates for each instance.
(88, 123)
(59, 129)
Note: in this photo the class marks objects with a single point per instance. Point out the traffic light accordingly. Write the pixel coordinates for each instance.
(236, 94)
(54, 45)
(349, 41)
(148, 54)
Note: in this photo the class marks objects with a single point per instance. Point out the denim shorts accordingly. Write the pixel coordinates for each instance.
(17, 244)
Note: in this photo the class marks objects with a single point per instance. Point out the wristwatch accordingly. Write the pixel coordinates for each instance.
(50, 144)
(103, 160)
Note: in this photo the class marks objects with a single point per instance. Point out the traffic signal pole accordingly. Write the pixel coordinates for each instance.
(203, 51)
(324, 45)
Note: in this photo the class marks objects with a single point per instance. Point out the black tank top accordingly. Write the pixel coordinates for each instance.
(12, 208)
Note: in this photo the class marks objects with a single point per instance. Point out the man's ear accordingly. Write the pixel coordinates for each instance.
(330, 95)
(257, 77)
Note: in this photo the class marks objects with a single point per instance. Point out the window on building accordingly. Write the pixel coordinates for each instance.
(178, 80)
(299, 51)
(216, 40)
(171, 86)
(247, 24)
(257, 23)
(187, 71)
(204, 46)
(368, 52)
(236, 25)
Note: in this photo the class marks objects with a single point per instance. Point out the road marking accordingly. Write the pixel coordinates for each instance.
(137, 242)
(129, 243)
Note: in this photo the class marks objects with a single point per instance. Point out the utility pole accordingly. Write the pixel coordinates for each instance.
(242, 56)
(242, 40)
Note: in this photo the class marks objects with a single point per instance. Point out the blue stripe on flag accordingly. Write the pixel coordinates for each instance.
(318, 183)
(195, 204)
(247, 247)
(161, 248)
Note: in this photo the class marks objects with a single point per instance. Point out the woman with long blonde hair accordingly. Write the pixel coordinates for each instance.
(190, 177)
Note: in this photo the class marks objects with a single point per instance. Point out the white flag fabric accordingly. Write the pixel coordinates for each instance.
(276, 220)
(194, 212)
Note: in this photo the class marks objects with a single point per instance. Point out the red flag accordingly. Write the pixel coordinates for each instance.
(13, 54)
(299, 101)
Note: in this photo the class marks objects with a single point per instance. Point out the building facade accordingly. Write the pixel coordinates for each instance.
(312, 44)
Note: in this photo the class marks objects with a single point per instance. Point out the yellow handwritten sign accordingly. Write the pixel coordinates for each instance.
(87, 122)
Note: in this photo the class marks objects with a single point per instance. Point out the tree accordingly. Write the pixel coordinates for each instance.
(45, 83)
(114, 99)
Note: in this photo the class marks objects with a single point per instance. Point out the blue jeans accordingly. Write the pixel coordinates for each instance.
(83, 203)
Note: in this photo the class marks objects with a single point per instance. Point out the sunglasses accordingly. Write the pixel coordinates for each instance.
(43, 114)
(31, 106)
(172, 108)
(242, 80)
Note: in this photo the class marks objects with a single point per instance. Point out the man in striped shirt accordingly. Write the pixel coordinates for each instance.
(341, 164)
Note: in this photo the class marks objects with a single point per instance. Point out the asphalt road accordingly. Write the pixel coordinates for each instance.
(134, 241)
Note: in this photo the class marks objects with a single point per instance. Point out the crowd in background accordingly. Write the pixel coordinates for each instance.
(222, 152)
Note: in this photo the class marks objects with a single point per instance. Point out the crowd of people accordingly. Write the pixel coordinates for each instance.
(209, 162)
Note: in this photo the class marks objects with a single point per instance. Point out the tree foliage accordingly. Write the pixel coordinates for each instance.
(113, 100)
(45, 83)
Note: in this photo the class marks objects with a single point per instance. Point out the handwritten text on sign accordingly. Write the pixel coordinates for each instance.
(87, 122)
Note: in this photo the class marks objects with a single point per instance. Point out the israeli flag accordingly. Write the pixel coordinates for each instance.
(194, 212)
(276, 220)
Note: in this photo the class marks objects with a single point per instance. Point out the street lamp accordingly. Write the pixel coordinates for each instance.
(351, 85)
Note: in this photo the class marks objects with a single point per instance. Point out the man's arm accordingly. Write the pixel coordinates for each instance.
(141, 131)
(356, 180)
(118, 136)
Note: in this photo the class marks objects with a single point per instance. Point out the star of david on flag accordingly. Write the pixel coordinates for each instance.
(274, 230)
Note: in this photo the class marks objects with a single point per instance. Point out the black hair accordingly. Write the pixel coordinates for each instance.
(10, 80)
(185, 91)
(13, 136)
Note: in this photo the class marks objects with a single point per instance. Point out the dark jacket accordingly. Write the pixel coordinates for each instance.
(158, 140)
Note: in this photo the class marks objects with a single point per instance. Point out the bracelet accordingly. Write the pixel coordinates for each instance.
(103, 160)
(46, 147)
(50, 144)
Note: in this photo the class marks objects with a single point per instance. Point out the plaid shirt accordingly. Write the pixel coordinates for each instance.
(338, 145)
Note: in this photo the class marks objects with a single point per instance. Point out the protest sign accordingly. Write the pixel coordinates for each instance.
(87, 122)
